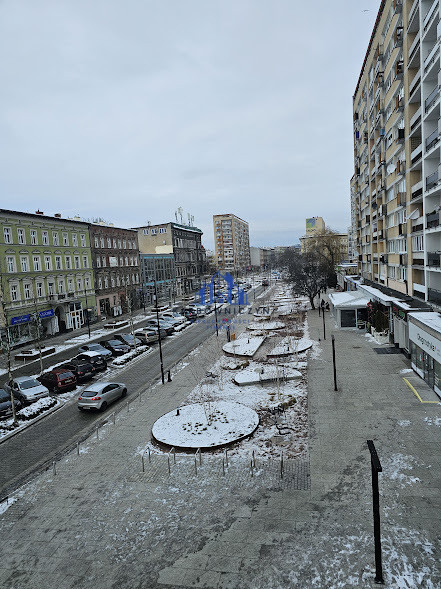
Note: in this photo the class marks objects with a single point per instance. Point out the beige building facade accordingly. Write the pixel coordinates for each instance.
(396, 188)
(231, 243)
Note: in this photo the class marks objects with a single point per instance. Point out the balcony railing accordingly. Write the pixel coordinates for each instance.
(431, 180)
(431, 58)
(433, 259)
(431, 99)
(434, 296)
(428, 17)
(432, 220)
(432, 140)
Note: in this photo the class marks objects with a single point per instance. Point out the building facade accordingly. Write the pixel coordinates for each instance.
(184, 243)
(316, 234)
(159, 268)
(231, 243)
(115, 260)
(396, 187)
(46, 275)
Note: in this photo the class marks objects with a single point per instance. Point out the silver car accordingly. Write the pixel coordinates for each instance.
(26, 389)
(99, 395)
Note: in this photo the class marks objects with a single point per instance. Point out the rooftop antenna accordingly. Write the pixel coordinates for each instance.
(189, 221)
(180, 211)
(176, 216)
(149, 223)
(192, 220)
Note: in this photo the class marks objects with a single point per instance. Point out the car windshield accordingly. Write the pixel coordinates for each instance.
(64, 375)
(115, 343)
(95, 347)
(4, 396)
(29, 384)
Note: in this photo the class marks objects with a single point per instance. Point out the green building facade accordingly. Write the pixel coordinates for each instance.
(46, 276)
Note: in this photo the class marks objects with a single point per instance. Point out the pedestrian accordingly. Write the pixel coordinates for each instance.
(327, 306)
(322, 304)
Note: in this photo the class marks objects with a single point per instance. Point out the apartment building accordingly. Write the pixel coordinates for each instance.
(115, 259)
(46, 277)
(317, 237)
(184, 243)
(231, 243)
(396, 187)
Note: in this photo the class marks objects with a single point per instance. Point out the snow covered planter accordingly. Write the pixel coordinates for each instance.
(244, 345)
(36, 408)
(205, 425)
(130, 355)
(381, 337)
(267, 374)
(266, 325)
(289, 346)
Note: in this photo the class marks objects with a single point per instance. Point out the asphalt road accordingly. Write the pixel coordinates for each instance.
(46, 441)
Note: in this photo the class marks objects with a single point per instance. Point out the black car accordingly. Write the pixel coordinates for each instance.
(93, 358)
(127, 338)
(82, 370)
(6, 405)
(116, 347)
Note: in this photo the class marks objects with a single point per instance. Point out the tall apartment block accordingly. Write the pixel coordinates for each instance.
(231, 243)
(396, 187)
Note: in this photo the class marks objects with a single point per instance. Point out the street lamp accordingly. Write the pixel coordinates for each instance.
(87, 310)
(159, 334)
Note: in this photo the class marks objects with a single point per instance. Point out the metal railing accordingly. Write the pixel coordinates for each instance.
(431, 180)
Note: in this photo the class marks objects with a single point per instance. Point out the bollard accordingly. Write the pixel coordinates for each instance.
(226, 458)
(254, 459)
(149, 456)
(54, 469)
(168, 463)
(195, 466)
(281, 465)
(78, 448)
(333, 362)
(128, 407)
(200, 456)
(114, 418)
(143, 465)
(169, 379)
(252, 472)
(97, 435)
(223, 467)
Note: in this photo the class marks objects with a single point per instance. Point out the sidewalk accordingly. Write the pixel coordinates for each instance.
(101, 522)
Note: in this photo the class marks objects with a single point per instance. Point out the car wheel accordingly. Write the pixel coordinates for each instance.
(124, 393)
(104, 406)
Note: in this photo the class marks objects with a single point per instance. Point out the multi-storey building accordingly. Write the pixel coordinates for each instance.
(184, 242)
(115, 259)
(231, 243)
(334, 245)
(158, 271)
(396, 188)
(46, 276)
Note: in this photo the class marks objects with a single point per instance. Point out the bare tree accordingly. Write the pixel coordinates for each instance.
(308, 273)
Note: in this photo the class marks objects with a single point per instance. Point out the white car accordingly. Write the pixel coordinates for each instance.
(27, 389)
(173, 317)
(99, 395)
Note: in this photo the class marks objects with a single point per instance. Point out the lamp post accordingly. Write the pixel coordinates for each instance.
(37, 326)
(87, 310)
(159, 334)
(215, 307)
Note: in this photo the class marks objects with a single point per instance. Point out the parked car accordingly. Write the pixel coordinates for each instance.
(198, 308)
(190, 314)
(116, 347)
(100, 394)
(6, 405)
(247, 286)
(58, 380)
(83, 371)
(147, 336)
(162, 324)
(265, 283)
(26, 389)
(127, 338)
(106, 354)
(174, 317)
(93, 358)
(154, 329)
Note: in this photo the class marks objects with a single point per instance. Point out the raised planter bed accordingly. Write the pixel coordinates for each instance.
(115, 324)
(33, 354)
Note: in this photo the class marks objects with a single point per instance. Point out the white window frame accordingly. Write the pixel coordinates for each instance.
(7, 234)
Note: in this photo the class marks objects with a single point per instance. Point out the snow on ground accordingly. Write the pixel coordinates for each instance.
(433, 421)
(204, 425)
(394, 464)
(244, 345)
(291, 345)
(271, 373)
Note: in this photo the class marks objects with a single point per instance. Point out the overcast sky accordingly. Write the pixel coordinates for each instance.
(127, 110)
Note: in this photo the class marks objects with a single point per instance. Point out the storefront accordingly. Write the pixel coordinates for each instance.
(425, 347)
(400, 310)
(349, 309)
(23, 328)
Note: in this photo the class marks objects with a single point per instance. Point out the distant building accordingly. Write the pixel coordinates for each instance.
(184, 242)
(315, 226)
(316, 231)
(231, 242)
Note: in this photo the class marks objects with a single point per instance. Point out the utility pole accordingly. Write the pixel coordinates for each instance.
(215, 307)
(159, 334)
(129, 307)
(8, 348)
(87, 310)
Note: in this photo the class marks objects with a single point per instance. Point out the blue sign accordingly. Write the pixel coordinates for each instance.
(218, 296)
(26, 318)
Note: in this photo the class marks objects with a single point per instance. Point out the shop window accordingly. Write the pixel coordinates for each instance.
(347, 318)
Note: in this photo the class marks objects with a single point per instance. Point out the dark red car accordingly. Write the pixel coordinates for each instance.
(58, 380)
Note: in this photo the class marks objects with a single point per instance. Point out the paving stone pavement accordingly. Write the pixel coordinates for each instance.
(101, 521)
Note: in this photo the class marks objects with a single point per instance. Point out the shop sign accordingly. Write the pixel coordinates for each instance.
(26, 318)
(425, 341)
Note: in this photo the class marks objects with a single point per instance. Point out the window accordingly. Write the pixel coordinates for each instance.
(100, 282)
(145, 231)
(391, 271)
(14, 292)
(163, 230)
(114, 243)
(24, 263)
(106, 282)
(102, 241)
(119, 243)
(7, 234)
(50, 288)
(87, 281)
(10, 263)
(37, 263)
(68, 262)
(57, 262)
(61, 286)
(401, 246)
(125, 244)
(70, 285)
(85, 262)
(55, 238)
(121, 261)
(117, 281)
(98, 261)
(47, 263)
(79, 283)
(418, 243)
(27, 290)
(77, 262)
(391, 247)
(83, 240)
(21, 236)
(103, 261)
(45, 237)
(65, 239)
(112, 280)
(39, 289)
(109, 242)
(97, 243)
(34, 237)
(403, 273)
(126, 259)
(74, 239)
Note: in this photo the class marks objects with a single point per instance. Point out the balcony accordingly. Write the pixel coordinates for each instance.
(431, 58)
(434, 296)
(431, 180)
(432, 220)
(429, 15)
(414, 47)
(431, 99)
(417, 190)
(432, 140)
(415, 83)
(416, 154)
(416, 119)
(418, 262)
(419, 225)
(433, 259)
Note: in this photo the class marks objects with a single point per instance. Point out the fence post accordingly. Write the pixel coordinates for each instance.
(251, 467)
(226, 458)
(97, 434)
(333, 362)
(142, 460)
(78, 448)
(127, 406)
(223, 467)
(54, 469)
(168, 463)
(375, 469)
(114, 418)
(149, 456)
(281, 465)
(195, 464)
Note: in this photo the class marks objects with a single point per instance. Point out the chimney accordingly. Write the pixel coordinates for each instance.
(57, 215)
(39, 212)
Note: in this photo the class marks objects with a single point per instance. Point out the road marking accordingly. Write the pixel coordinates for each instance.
(415, 392)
